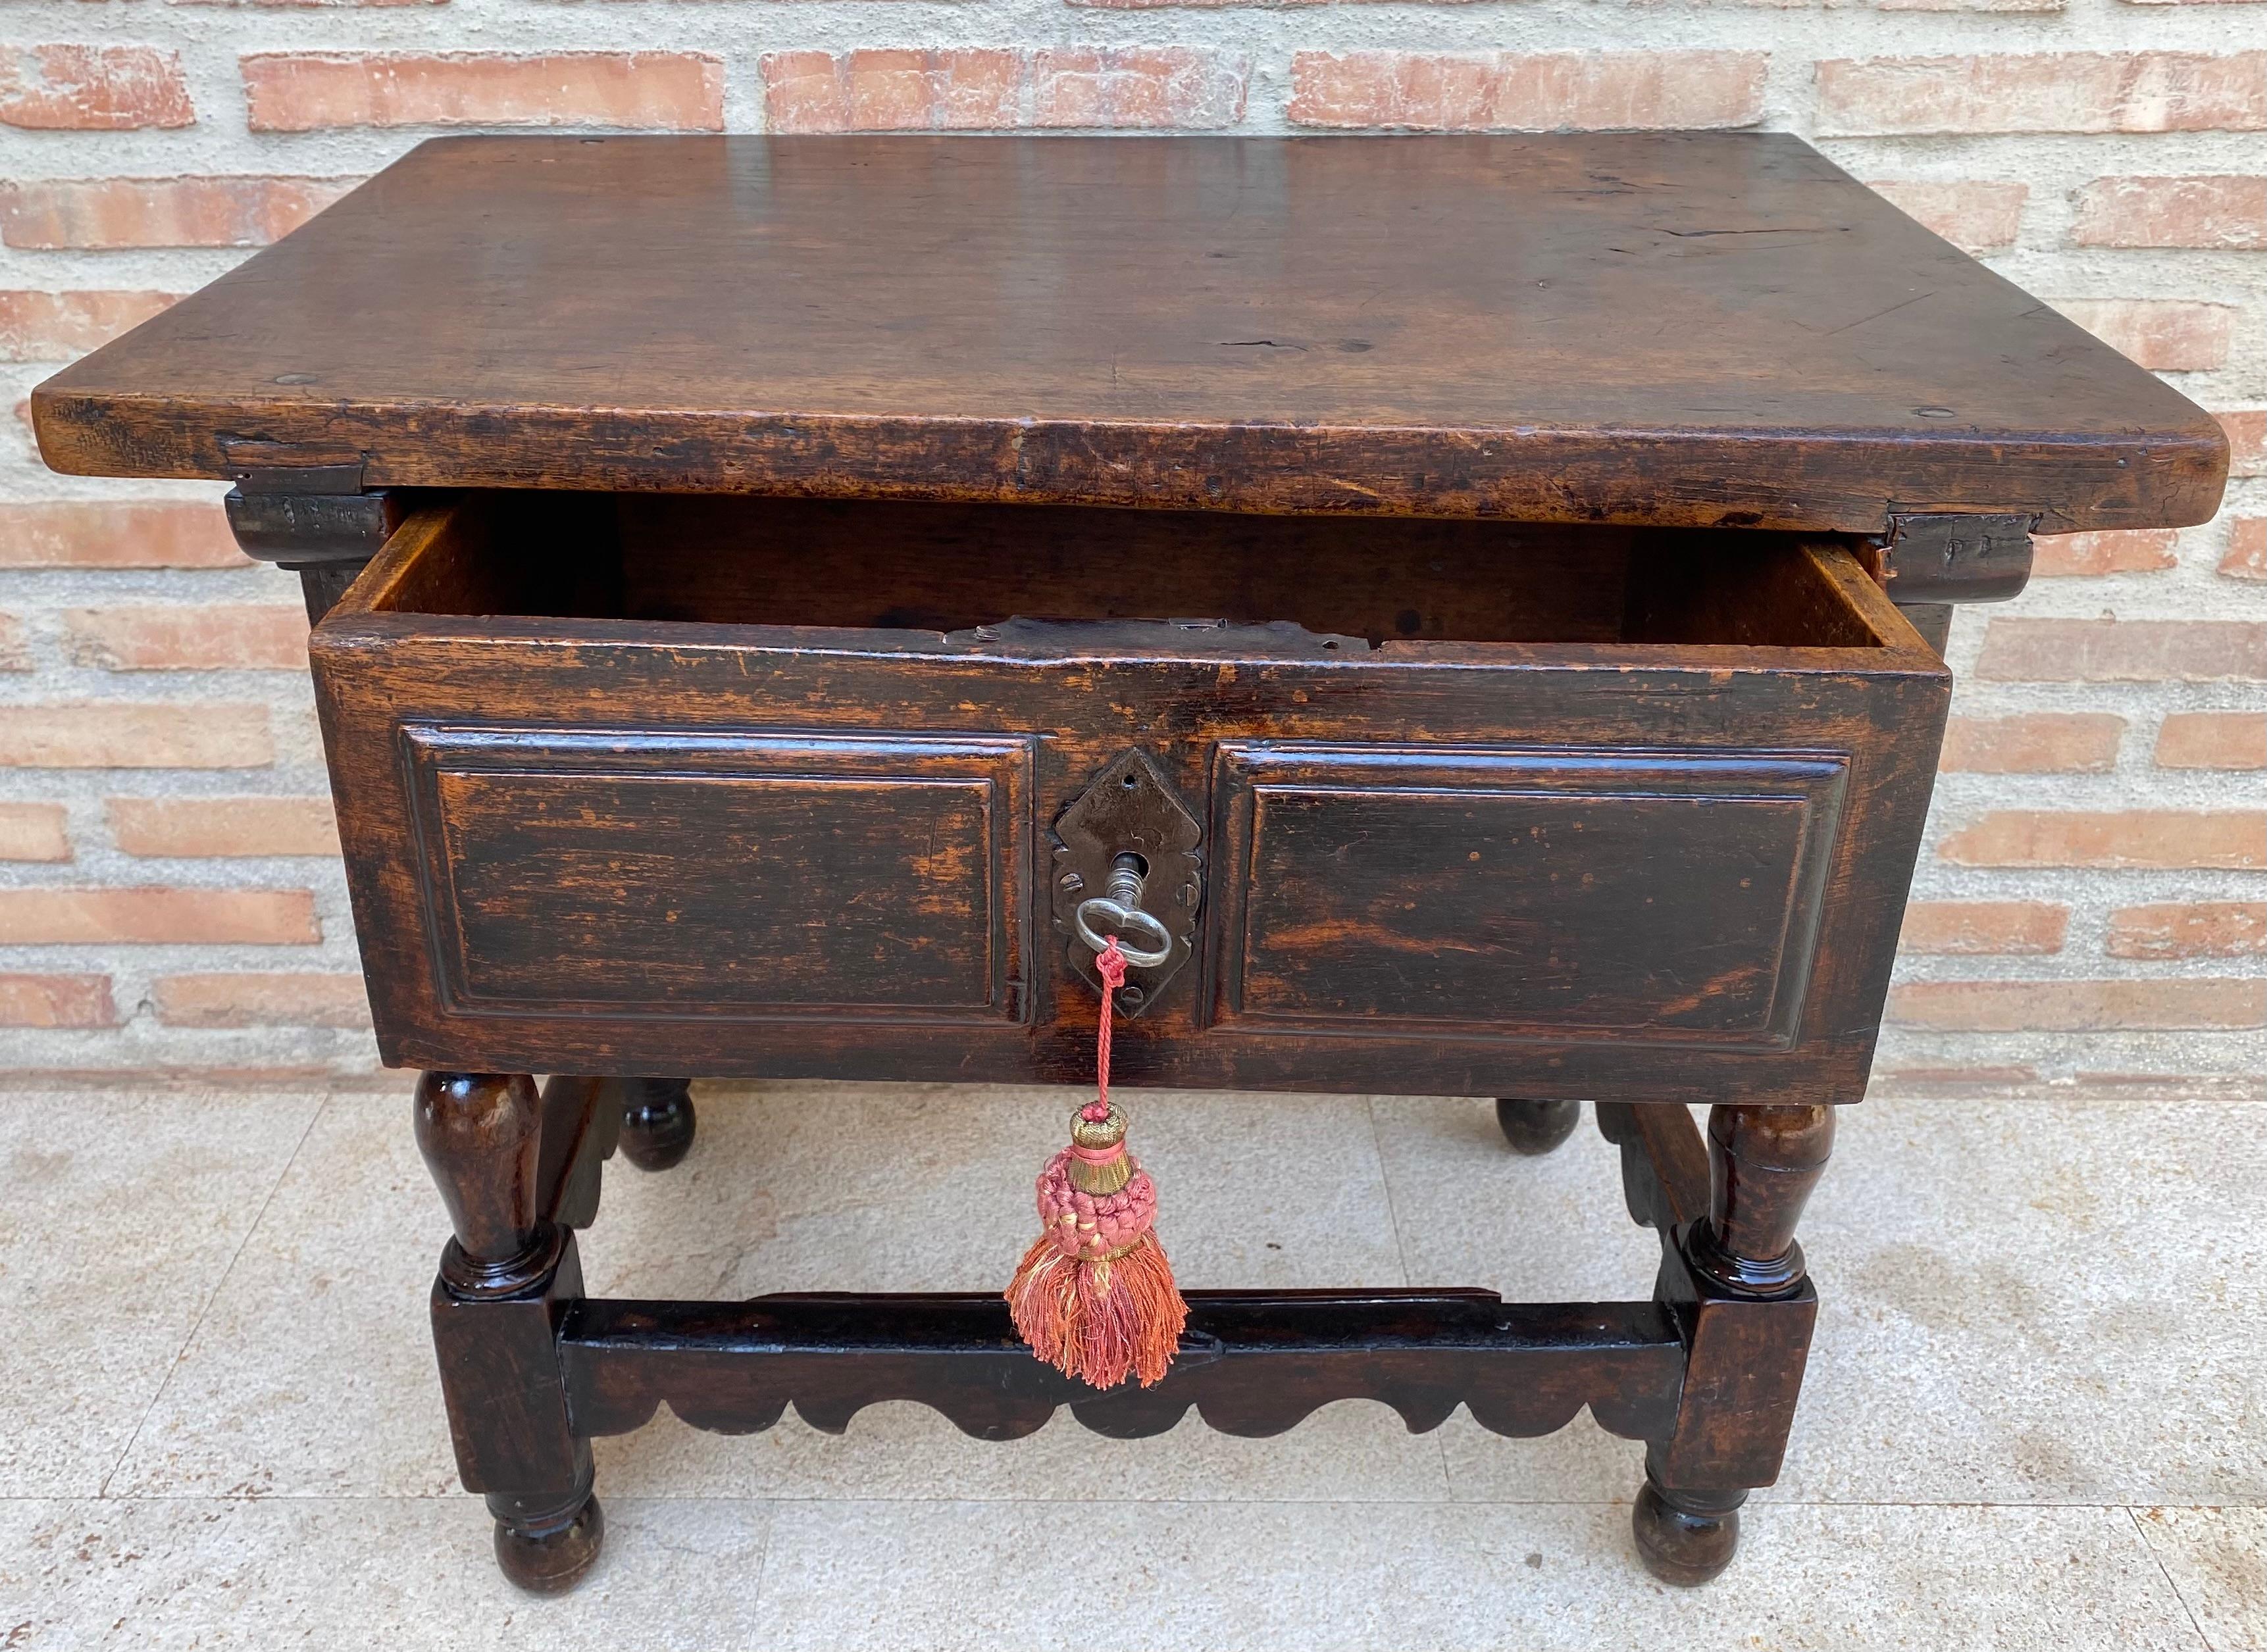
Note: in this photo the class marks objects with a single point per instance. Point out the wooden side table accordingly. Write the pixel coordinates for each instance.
(1476, 602)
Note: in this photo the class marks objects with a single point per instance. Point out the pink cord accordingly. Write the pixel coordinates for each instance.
(1112, 964)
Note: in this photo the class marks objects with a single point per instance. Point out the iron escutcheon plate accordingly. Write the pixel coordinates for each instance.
(1129, 808)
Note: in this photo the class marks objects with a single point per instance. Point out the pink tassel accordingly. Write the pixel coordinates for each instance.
(1095, 1296)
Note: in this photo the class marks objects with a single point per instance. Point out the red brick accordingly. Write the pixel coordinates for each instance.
(2033, 742)
(205, 826)
(263, 1000)
(1215, 6)
(663, 92)
(158, 916)
(308, 5)
(2124, 650)
(92, 88)
(2079, 1006)
(1527, 91)
(980, 88)
(105, 534)
(2169, 335)
(2213, 740)
(1137, 88)
(206, 636)
(2193, 928)
(1976, 217)
(1983, 926)
(103, 214)
(2234, 839)
(964, 89)
(36, 327)
(1955, 1078)
(2229, 212)
(2045, 91)
(1963, 5)
(2247, 440)
(33, 832)
(112, 736)
(30, 1000)
(2231, 1086)
(2246, 556)
(2116, 551)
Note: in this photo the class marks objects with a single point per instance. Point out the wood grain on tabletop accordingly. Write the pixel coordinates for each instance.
(1693, 328)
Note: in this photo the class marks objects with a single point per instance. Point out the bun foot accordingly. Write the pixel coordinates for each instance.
(1686, 1537)
(548, 1556)
(1537, 1127)
(656, 1122)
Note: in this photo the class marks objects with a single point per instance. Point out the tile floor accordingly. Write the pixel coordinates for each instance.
(2036, 1415)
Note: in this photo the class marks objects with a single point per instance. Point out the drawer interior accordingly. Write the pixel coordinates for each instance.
(952, 567)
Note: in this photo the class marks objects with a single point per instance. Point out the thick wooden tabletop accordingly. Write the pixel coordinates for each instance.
(1690, 329)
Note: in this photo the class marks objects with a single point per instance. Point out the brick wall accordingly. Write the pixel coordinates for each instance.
(2092, 904)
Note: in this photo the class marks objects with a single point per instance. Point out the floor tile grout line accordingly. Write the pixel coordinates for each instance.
(1408, 1273)
(779, 1499)
(764, 1556)
(1385, 1183)
(2133, 1515)
(322, 1105)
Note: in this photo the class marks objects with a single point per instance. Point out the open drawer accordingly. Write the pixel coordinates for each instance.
(718, 786)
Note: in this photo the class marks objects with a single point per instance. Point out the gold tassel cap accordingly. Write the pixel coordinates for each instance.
(1103, 1177)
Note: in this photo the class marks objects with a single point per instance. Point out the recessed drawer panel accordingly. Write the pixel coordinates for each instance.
(724, 875)
(1511, 893)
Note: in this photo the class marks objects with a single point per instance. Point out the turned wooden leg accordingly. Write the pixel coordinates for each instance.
(1763, 1162)
(1735, 1280)
(656, 1122)
(1537, 1127)
(505, 1278)
(1685, 1537)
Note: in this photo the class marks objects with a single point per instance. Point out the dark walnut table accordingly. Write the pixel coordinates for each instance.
(1476, 603)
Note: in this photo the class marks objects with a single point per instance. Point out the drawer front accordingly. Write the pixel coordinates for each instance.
(723, 876)
(1502, 892)
(1389, 902)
